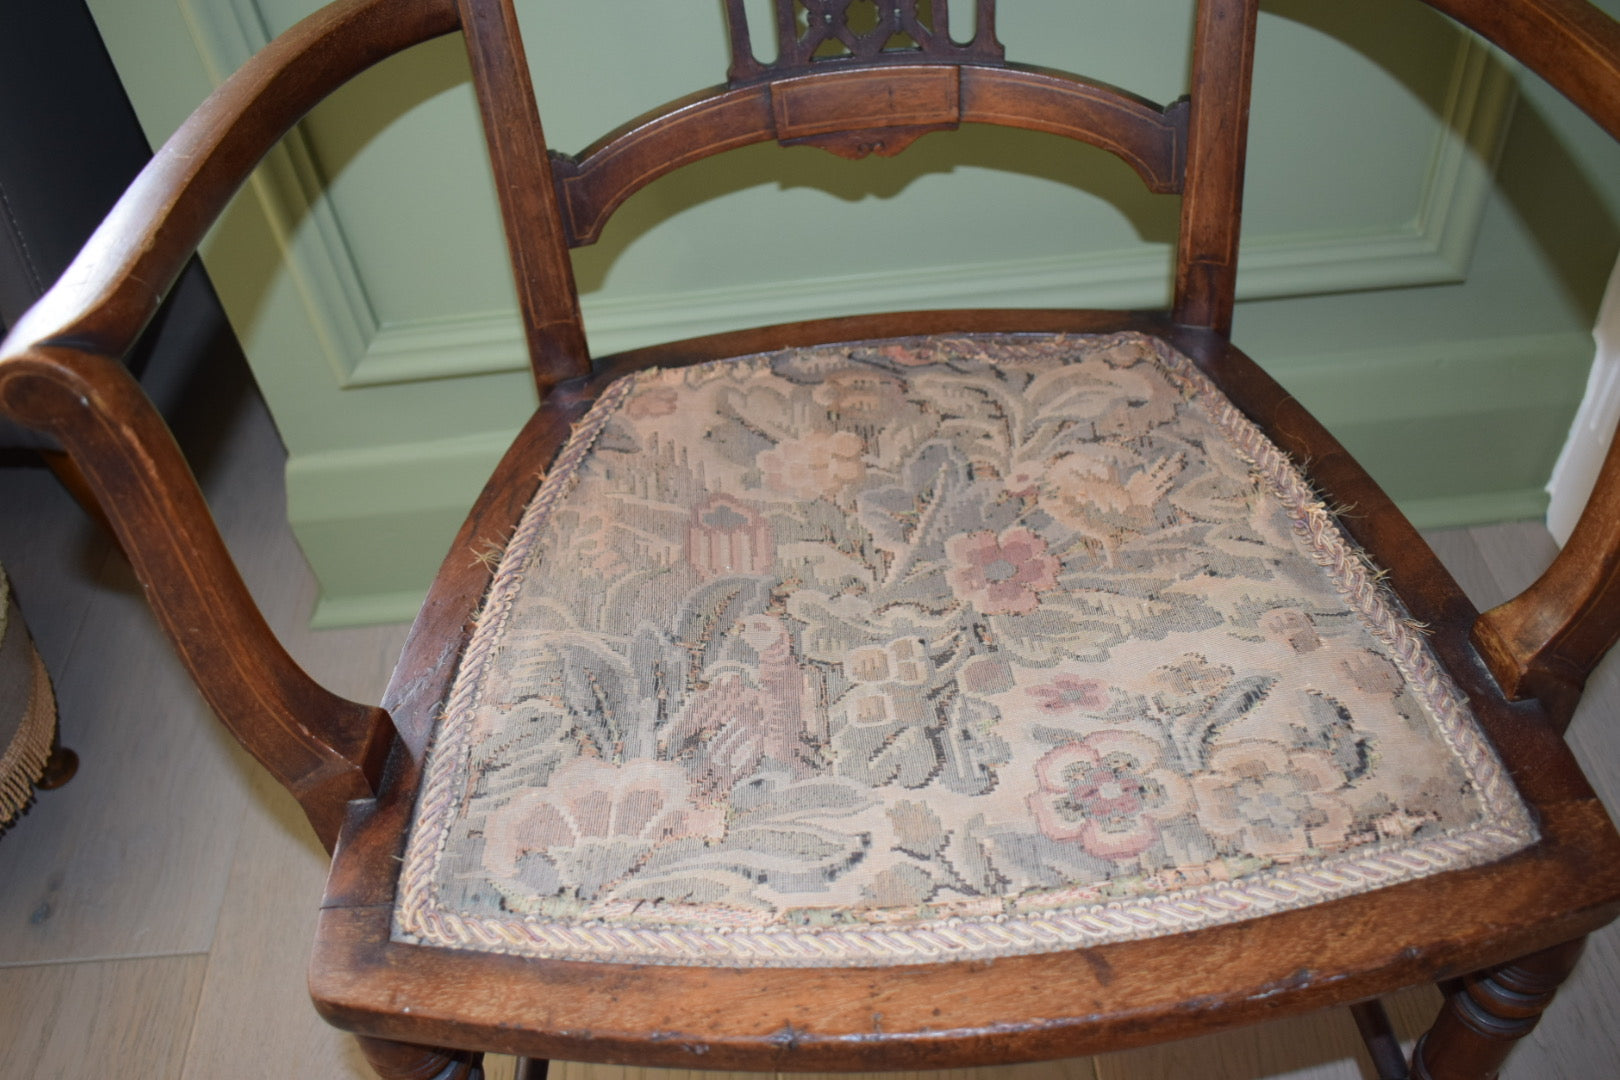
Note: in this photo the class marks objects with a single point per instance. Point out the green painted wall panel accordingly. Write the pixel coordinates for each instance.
(1388, 281)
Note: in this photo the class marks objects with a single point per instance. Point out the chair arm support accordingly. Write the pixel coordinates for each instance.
(114, 286)
(323, 748)
(1545, 642)
(59, 374)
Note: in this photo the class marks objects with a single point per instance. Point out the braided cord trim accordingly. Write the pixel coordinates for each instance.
(1055, 920)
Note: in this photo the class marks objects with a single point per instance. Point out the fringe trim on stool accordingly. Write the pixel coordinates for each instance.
(23, 762)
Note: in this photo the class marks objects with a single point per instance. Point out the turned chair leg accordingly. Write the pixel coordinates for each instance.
(1491, 1011)
(407, 1061)
(531, 1069)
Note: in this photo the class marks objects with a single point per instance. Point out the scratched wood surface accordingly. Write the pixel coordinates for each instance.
(169, 922)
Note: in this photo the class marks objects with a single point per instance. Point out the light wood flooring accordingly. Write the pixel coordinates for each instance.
(155, 914)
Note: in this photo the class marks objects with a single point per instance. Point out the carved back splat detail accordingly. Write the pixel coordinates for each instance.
(923, 26)
(897, 75)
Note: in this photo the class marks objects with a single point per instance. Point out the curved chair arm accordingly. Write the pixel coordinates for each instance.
(114, 287)
(1570, 43)
(1546, 641)
(59, 373)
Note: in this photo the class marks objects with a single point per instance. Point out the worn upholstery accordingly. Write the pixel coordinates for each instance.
(927, 649)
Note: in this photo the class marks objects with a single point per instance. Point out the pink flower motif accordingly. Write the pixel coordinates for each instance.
(651, 402)
(819, 464)
(1109, 792)
(726, 536)
(1001, 575)
(1024, 482)
(1271, 801)
(1066, 693)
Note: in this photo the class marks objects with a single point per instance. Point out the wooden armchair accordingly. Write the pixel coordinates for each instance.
(905, 691)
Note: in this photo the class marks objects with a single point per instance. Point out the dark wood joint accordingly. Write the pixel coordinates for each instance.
(1176, 116)
(1523, 674)
(854, 145)
(372, 753)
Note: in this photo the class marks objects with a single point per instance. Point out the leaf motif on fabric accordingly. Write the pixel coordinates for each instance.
(882, 749)
(1327, 725)
(970, 747)
(1194, 732)
(909, 519)
(860, 638)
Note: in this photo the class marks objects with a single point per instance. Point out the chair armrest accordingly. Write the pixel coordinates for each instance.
(1570, 43)
(1546, 641)
(60, 374)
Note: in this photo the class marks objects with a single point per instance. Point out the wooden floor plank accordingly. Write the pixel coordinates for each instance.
(1318, 1046)
(130, 858)
(571, 1070)
(261, 949)
(1516, 553)
(1067, 1069)
(1073, 1069)
(127, 1018)
(54, 555)
(254, 1019)
(1459, 551)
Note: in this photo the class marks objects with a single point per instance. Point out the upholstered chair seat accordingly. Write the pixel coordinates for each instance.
(929, 649)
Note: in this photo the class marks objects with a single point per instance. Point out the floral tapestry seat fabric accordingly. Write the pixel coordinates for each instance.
(930, 649)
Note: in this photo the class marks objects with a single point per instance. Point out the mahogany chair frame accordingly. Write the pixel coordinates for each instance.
(1516, 925)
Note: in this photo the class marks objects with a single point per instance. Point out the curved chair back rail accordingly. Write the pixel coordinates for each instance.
(834, 109)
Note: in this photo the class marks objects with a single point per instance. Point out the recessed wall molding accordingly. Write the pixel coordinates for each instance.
(376, 549)
(288, 187)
